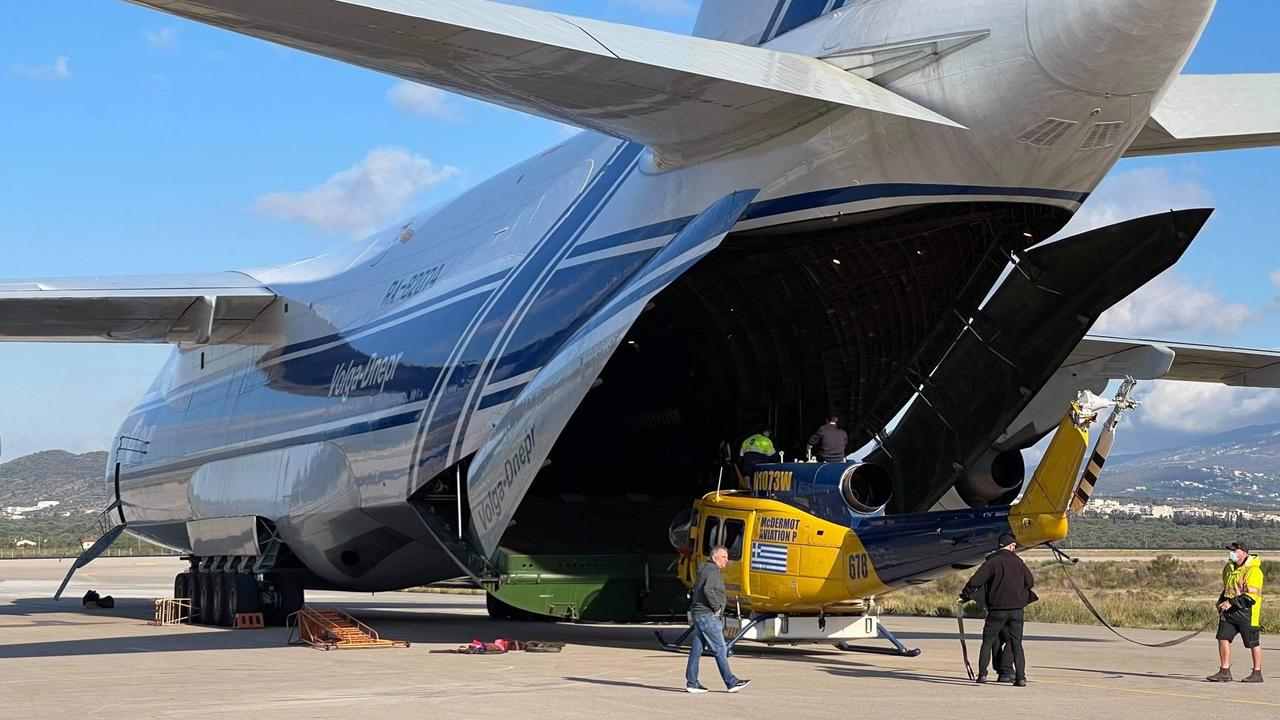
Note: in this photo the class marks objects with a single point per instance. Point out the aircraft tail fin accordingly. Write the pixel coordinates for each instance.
(1041, 515)
(755, 22)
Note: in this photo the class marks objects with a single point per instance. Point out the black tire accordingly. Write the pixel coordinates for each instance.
(292, 593)
(200, 597)
(244, 595)
(499, 610)
(287, 597)
(221, 599)
(182, 586)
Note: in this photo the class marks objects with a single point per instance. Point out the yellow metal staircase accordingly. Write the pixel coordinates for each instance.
(332, 629)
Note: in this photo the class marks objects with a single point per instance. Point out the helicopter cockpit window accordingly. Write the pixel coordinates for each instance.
(733, 532)
(710, 535)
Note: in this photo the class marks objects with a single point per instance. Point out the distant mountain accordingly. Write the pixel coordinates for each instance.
(1238, 468)
(74, 481)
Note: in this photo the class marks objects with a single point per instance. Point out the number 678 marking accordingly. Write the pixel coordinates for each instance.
(859, 566)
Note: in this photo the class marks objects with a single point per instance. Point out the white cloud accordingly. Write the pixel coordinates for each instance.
(662, 7)
(166, 38)
(422, 100)
(1137, 193)
(362, 198)
(1275, 278)
(1172, 307)
(59, 69)
(1205, 408)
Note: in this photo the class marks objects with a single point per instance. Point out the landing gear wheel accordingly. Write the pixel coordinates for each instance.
(182, 586)
(244, 595)
(286, 597)
(221, 599)
(499, 610)
(203, 596)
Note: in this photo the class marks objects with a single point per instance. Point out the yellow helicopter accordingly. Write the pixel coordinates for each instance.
(810, 548)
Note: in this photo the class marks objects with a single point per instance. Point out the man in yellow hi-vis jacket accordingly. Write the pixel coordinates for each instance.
(1241, 607)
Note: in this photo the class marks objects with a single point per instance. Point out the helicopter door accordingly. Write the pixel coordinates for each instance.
(733, 535)
(728, 529)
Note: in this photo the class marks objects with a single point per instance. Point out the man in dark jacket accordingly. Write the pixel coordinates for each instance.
(707, 601)
(830, 441)
(1008, 584)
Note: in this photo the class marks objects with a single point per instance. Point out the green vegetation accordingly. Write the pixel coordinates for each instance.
(1098, 532)
(1164, 593)
(59, 536)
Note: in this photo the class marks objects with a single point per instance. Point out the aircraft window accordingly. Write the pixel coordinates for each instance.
(710, 535)
(733, 532)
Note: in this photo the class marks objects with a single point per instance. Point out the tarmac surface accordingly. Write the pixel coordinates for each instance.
(59, 660)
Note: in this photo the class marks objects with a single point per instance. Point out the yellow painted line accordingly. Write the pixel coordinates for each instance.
(1190, 696)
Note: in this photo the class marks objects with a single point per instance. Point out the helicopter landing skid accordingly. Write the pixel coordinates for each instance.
(898, 648)
(680, 646)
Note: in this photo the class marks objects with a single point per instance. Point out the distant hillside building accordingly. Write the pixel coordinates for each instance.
(24, 543)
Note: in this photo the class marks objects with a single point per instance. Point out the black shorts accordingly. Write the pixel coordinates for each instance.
(1249, 635)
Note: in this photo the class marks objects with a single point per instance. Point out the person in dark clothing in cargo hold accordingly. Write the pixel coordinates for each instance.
(830, 442)
(1008, 582)
(706, 607)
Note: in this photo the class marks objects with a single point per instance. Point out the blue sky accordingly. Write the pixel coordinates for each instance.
(134, 142)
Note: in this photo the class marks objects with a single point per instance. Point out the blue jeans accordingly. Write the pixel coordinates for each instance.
(709, 630)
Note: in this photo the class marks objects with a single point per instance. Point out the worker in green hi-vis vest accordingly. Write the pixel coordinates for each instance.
(756, 450)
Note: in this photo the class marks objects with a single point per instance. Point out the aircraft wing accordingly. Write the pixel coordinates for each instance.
(684, 97)
(1213, 112)
(506, 465)
(1195, 363)
(133, 309)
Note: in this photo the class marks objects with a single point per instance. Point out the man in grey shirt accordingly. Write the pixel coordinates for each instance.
(706, 608)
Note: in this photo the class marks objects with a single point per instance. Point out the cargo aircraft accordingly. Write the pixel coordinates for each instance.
(807, 207)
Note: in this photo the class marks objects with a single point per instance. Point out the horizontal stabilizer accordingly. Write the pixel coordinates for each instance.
(686, 98)
(1213, 112)
(1240, 367)
(131, 309)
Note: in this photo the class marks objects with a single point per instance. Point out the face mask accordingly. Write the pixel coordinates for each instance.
(1231, 558)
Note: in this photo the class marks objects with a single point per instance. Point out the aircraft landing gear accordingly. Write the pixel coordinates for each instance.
(779, 629)
(898, 648)
(218, 596)
(679, 644)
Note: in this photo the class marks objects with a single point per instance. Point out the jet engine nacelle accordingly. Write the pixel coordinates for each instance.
(830, 490)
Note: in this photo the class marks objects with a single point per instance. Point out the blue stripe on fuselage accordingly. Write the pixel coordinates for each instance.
(525, 288)
(823, 199)
(799, 13)
(570, 297)
(924, 545)
(389, 317)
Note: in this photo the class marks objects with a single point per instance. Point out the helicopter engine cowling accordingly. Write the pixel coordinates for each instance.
(995, 479)
(830, 490)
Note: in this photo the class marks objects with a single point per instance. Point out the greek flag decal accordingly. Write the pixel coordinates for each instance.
(768, 558)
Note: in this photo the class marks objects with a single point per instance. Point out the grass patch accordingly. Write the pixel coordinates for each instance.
(1162, 594)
